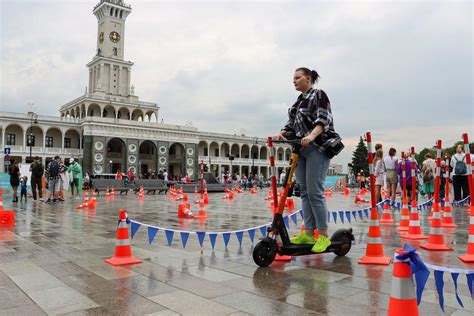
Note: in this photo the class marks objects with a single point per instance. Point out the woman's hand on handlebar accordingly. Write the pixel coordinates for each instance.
(279, 136)
(305, 141)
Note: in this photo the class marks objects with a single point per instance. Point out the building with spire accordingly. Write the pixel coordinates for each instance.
(109, 128)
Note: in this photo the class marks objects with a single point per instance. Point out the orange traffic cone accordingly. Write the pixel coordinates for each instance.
(181, 208)
(469, 255)
(7, 218)
(107, 194)
(141, 195)
(374, 252)
(195, 191)
(436, 238)
(402, 296)
(414, 229)
(202, 211)
(447, 214)
(94, 200)
(290, 203)
(206, 198)
(346, 191)
(405, 216)
(86, 200)
(123, 251)
(386, 215)
(112, 191)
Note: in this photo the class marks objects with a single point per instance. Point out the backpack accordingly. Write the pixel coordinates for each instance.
(427, 176)
(38, 170)
(460, 167)
(53, 168)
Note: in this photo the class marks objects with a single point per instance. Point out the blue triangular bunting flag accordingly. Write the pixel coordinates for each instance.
(438, 275)
(263, 231)
(366, 213)
(134, 227)
(201, 236)
(294, 218)
(360, 214)
(341, 216)
(334, 216)
(354, 214)
(348, 216)
(301, 214)
(239, 235)
(226, 237)
(184, 238)
(151, 234)
(169, 236)
(252, 234)
(212, 238)
(455, 280)
(470, 282)
(286, 221)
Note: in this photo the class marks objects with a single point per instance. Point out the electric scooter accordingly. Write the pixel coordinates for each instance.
(265, 251)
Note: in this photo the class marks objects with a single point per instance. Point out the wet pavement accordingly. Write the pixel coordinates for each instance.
(51, 262)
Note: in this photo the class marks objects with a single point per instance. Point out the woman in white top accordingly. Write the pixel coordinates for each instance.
(392, 179)
(459, 174)
(379, 171)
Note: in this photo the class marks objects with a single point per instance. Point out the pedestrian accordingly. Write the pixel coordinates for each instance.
(36, 182)
(362, 179)
(75, 177)
(54, 179)
(64, 180)
(459, 174)
(428, 169)
(282, 177)
(14, 179)
(390, 163)
(409, 187)
(23, 183)
(379, 172)
(310, 119)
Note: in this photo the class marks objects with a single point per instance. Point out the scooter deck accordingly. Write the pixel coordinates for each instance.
(301, 250)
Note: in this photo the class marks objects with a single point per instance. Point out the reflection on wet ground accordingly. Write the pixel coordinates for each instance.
(51, 262)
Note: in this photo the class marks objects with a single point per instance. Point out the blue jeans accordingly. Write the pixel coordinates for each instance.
(311, 170)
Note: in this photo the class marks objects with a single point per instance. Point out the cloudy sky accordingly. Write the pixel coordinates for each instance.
(402, 70)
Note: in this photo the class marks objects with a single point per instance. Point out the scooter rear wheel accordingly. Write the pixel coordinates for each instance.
(264, 253)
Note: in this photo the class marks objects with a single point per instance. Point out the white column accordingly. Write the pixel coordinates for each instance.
(62, 143)
(128, 88)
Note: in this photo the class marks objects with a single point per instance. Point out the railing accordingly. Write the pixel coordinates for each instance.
(114, 155)
(25, 150)
(240, 161)
(110, 99)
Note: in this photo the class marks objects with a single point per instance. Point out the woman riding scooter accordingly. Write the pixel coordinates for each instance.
(310, 119)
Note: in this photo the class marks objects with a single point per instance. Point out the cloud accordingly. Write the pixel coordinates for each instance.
(394, 68)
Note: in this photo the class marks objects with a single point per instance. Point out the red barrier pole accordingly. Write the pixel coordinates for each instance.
(413, 178)
(469, 255)
(470, 178)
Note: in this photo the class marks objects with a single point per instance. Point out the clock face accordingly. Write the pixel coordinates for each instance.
(114, 37)
(101, 37)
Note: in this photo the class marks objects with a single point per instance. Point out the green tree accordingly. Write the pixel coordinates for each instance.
(359, 158)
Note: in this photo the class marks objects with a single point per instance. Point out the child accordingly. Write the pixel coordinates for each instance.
(379, 171)
(23, 182)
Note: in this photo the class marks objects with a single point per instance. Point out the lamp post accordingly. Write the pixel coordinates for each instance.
(30, 140)
(253, 156)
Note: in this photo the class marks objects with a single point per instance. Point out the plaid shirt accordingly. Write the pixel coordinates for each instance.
(309, 110)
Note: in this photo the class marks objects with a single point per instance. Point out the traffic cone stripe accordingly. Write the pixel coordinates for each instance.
(436, 231)
(447, 214)
(405, 217)
(471, 220)
(436, 215)
(374, 240)
(122, 242)
(471, 238)
(402, 289)
(374, 222)
(414, 223)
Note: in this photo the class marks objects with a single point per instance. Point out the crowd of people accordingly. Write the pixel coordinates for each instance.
(388, 174)
(58, 178)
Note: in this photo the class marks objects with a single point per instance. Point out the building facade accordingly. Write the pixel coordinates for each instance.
(109, 128)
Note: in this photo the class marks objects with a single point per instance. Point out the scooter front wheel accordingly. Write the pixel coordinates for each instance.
(264, 253)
